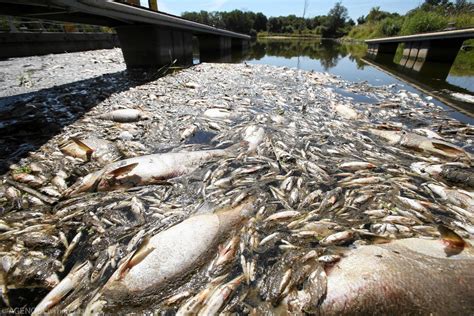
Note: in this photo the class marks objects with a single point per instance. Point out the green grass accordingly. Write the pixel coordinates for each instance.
(464, 63)
(23, 169)
(306, 34)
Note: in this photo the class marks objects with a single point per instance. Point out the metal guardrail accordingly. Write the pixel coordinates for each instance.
(21, 25)
(461, 33)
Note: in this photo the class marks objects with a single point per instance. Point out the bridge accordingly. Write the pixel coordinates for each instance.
(428, 54)
(148, 38)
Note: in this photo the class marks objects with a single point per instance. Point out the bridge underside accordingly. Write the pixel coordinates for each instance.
(432, 58)
(148, 39)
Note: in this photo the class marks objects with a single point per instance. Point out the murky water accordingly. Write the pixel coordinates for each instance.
(346, 60)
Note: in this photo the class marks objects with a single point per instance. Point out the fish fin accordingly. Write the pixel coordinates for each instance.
(83, 146)
(454, 244)
(123, 170)
(85, 184)
(447, 148)
(141, 253)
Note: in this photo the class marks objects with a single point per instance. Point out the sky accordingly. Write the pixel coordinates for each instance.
(356, 8)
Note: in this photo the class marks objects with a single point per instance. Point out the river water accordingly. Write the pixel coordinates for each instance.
(347, 61)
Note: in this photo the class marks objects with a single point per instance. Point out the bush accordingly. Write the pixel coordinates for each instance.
(391, 26)
(422, 22)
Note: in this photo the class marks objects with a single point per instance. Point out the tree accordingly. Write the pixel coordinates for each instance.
(336, 20)
(260, 23)
(376, 14)
(274, 25)
(361, 20)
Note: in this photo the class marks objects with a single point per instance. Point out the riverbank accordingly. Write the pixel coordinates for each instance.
(268, 169)
(288, 35)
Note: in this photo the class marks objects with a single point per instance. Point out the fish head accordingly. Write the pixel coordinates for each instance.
(393, 137)
(419, 167)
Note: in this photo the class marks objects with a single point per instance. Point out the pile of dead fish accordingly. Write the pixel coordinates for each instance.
(265, 192)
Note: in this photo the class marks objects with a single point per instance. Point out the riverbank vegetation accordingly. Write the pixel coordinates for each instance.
(432, 15)
(335, 24)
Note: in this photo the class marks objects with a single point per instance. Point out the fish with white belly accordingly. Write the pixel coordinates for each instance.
(406, 276)
(174, 253)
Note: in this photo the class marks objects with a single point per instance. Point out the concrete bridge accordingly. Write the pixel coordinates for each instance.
(148, 38)
(430, 54)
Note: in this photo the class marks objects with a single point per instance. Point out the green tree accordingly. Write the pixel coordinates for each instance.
(376, 14)
(336, 21)
(260, 23)
(275, 25)
(361, 20)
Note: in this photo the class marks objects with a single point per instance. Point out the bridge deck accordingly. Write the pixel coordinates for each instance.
(465, 33)
(106, 13)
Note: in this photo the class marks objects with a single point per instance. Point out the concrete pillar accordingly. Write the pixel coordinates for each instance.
(405, 54)
(422, 54)
(148, 46)
(239, 44)
(382, 52)
(240, 49)
(372, 50)
(11, 24)
(413, 54)
(439, 56)
(214, 48)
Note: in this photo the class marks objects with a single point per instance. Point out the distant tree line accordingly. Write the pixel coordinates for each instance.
(335, 24)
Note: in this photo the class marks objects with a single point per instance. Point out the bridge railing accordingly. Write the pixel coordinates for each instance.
(10, 24)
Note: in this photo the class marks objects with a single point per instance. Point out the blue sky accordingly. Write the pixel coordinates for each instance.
(356, 8)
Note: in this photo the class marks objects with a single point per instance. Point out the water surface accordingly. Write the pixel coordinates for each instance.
(347, 61)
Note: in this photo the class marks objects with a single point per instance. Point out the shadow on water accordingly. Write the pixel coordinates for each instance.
(29, 120)
(347, 61)
(439, 89)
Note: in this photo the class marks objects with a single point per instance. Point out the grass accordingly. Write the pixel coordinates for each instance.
(23, 169)
(292, 35)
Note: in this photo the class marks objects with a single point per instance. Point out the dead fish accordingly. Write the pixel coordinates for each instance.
(457, 197)
(218, 113)
(67, 284)
(174, 252)
(407, 276)
(143, 170)
(188, 132)
(253, 135)
(421, 143)
(124, 115)
(220, 295)
(356, 165)
(345, 111)
(90, 149)
(458, 174)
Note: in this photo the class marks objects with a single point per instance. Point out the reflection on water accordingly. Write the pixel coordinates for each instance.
(346, 60)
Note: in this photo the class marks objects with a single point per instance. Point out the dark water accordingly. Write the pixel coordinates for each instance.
(347, 61)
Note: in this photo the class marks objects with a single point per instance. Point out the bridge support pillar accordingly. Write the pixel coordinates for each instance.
(240, 45)
(148, 46)
(214, 48)
(432, 58)
(382, 52)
